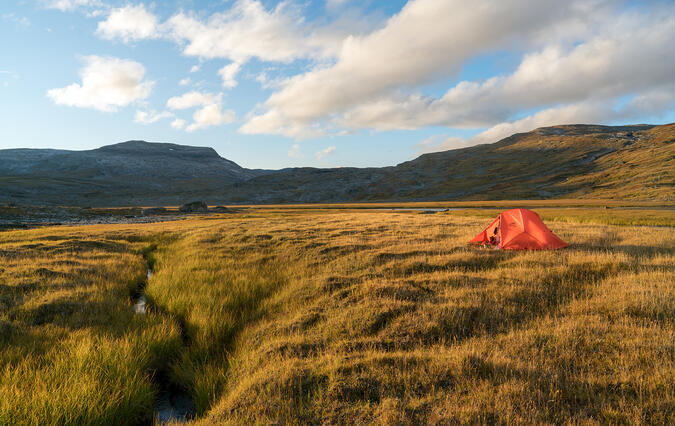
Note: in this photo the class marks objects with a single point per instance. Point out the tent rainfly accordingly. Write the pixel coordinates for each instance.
(519, 229)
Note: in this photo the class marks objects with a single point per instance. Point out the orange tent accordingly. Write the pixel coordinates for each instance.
(519, 229)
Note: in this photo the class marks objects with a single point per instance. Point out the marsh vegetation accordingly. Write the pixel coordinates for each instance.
(340, 316)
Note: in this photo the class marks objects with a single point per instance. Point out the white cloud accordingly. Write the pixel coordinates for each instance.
(193, 99)
(369, 86)
(247, 30)
(605, 67)
(272, 122)
(266, 81)
(324, 152)
(107, 84)
(178, 124)
(185, 81)
(149, 117)
(210, 115)
(69, 5)
(294, 152)
(445, 36)
(586, 112)
(228, 74)
(129, 23)
(574, 54)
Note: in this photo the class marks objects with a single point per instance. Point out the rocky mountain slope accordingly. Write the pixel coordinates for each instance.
(575, 161)
(128, 173)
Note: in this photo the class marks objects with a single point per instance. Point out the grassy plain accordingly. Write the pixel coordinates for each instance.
(342, 316)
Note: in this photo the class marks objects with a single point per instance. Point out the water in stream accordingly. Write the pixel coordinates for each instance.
(140, 302)
(173, 405)
(139, 305)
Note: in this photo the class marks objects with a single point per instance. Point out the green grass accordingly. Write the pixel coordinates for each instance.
(328, 316)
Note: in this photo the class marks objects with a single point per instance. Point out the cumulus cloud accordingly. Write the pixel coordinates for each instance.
(185, 81)
(445, 36)
(129, 23)
(272, 122)
(606, 67)
(192, 99)
(580, 60)
(586, 112)
(178, 124)
(107, 84)
(149, 117)
(210, 115)
(651, 103)
(324, 152)
(228, 74)
(245, 31)
(370, 83)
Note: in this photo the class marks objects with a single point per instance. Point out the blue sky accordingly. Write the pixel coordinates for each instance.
(327, 83)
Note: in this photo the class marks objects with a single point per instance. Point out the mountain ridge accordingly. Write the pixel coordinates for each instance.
(548, 162)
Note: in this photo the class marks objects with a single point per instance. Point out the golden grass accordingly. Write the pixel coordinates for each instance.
(342, 317)
(72, 351)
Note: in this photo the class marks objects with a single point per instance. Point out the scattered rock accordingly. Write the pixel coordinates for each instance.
(194, 207)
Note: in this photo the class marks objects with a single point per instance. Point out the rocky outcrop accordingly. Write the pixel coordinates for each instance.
(221, 209)
(194, 207)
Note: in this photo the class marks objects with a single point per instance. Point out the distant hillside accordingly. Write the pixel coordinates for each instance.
(575, 161)
(128, 173)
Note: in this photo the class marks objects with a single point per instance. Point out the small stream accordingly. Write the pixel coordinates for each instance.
(139, 301)
(173, 404)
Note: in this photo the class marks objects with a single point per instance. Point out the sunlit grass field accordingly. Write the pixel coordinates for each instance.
(334, 316)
